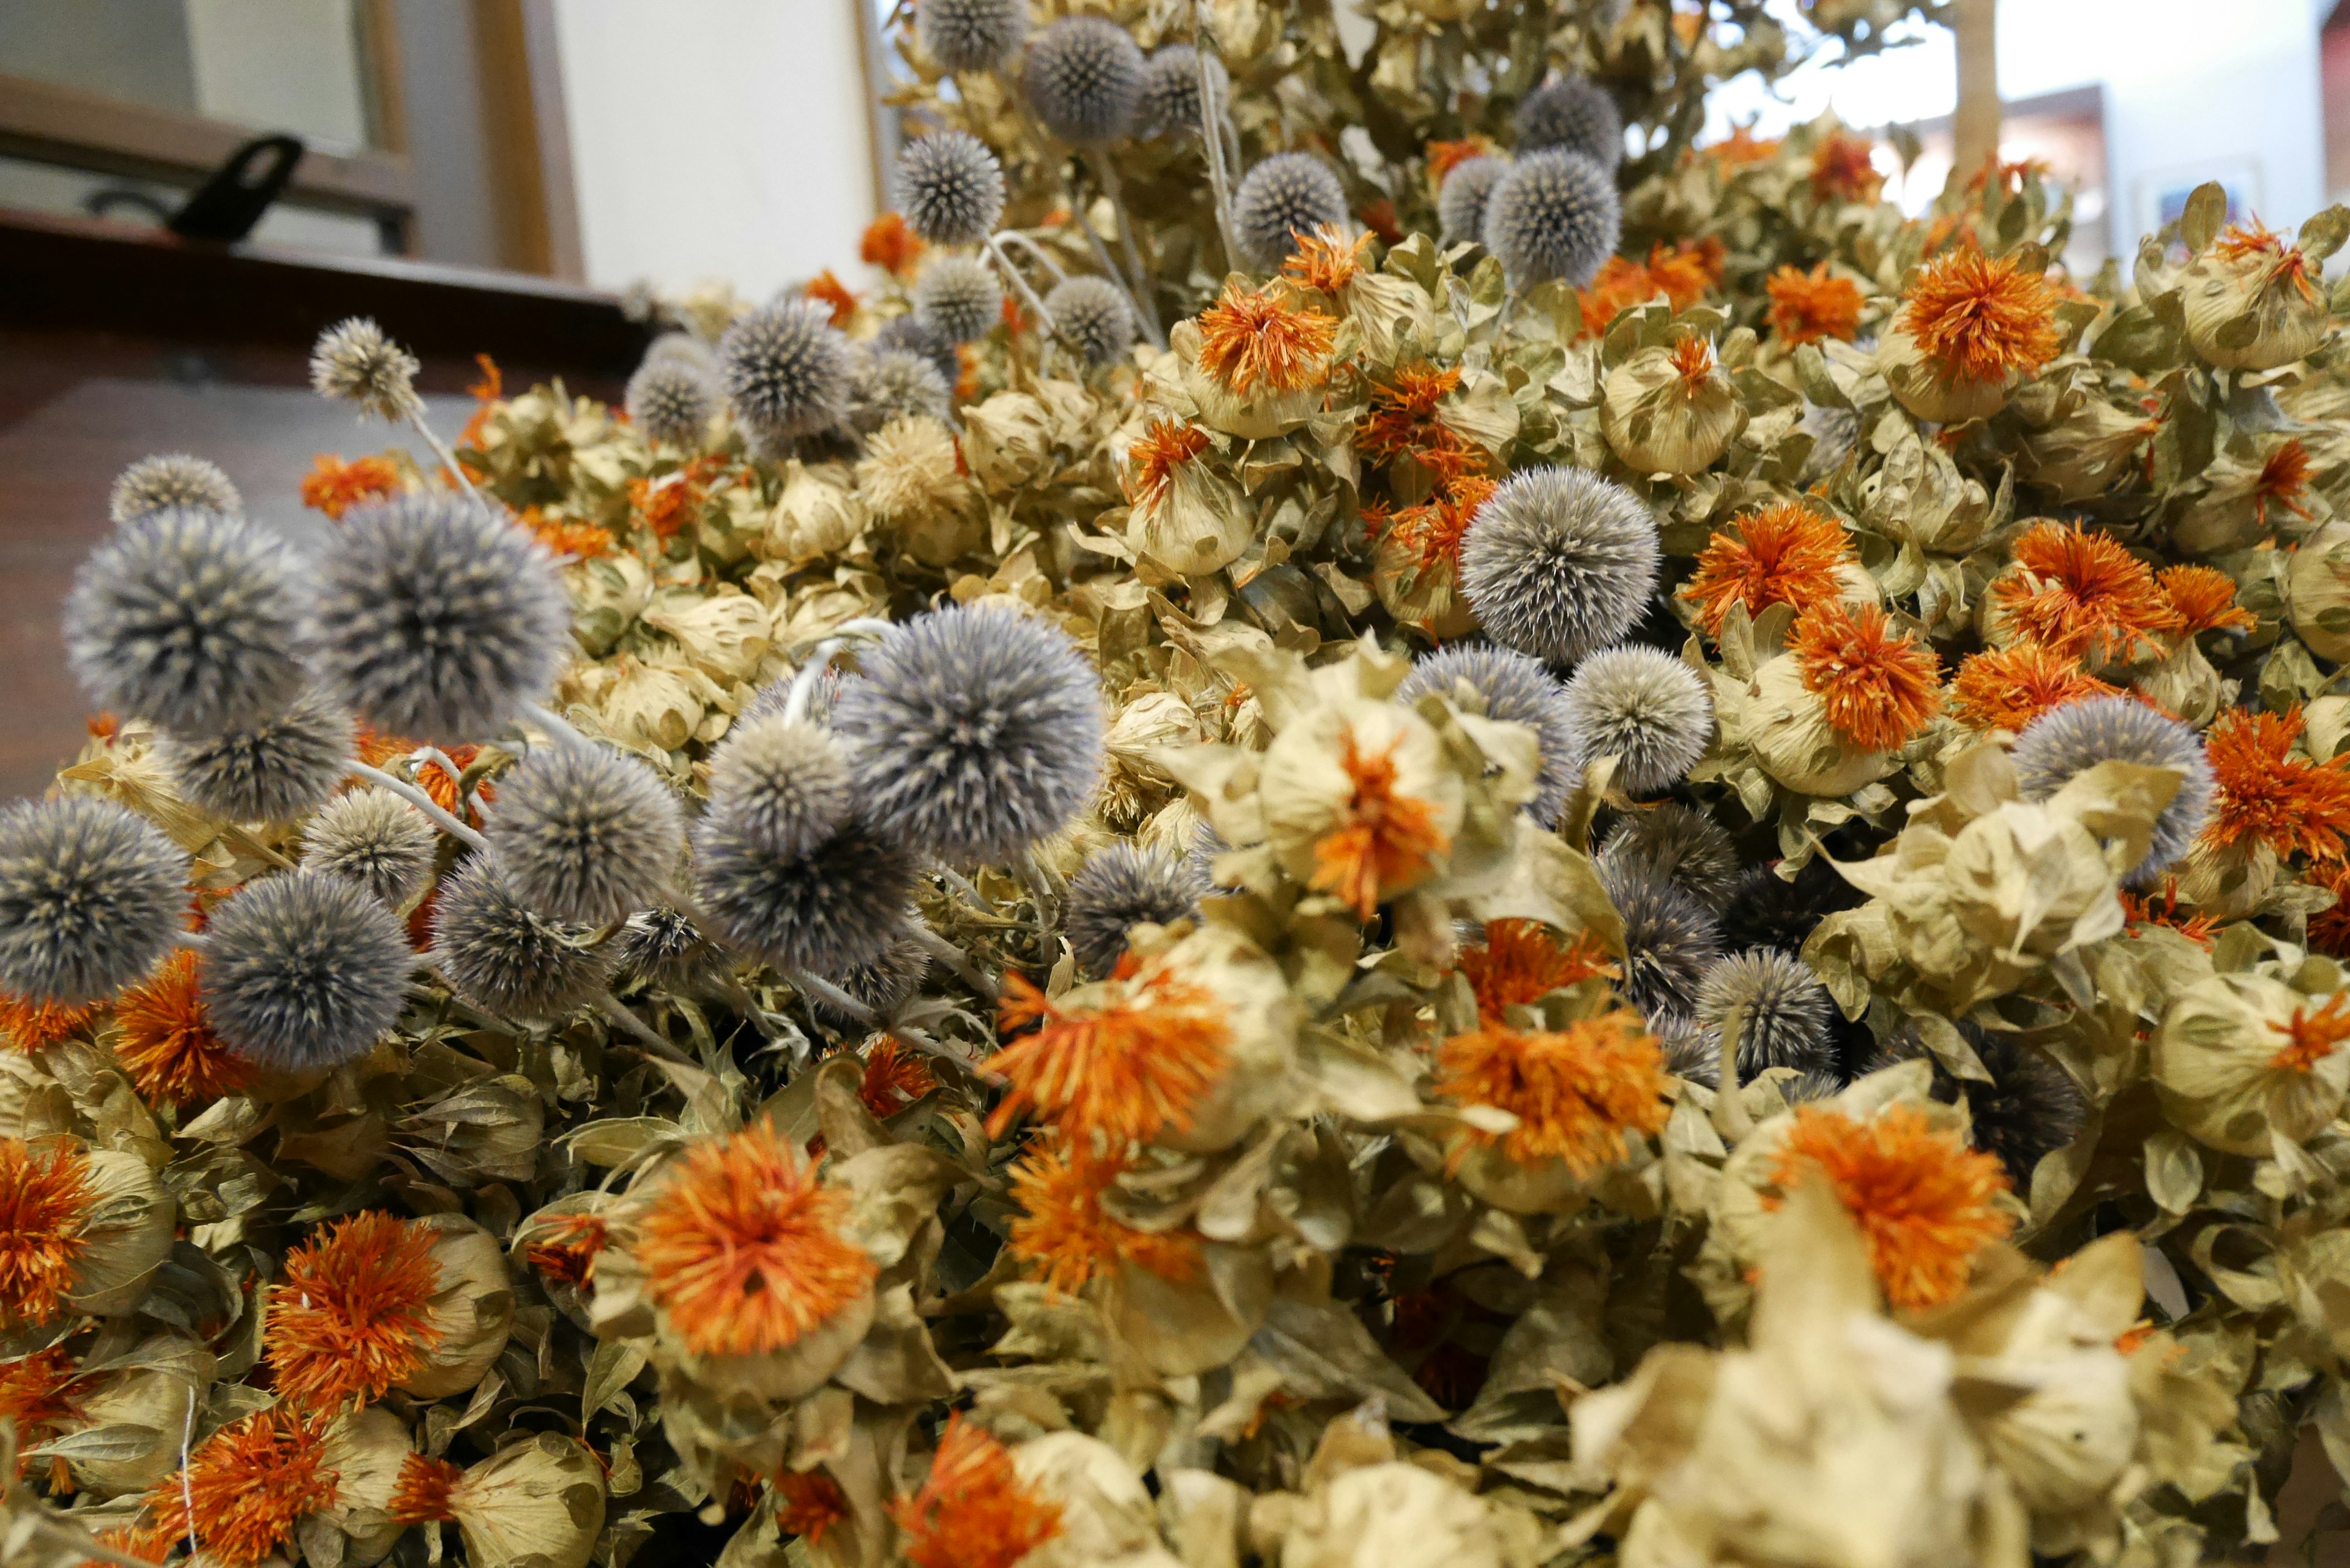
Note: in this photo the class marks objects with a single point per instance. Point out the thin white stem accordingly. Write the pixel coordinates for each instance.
(848, 1007)
(808, 678)
(440, 760)
(962, 885)
(556, 726)
(1045, 258)
(1140, 289)
(187, 1487)
(421, 801)
(1729, 1115)
(612, 1007)
(447, 458)
(954, 958)
(1020, 287)
(1212, 128)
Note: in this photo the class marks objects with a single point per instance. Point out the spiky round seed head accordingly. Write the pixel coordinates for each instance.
(957, 297)
(1094, 316)
(970, 35)
(270, 771)
(1783, 1008)
(1515, 689)
(662, 949)
(304, 970)
(1461, 199)
(1766, 909)
(973, 732)
(89, 898)
(1691, 1053)
(672, 398)
(1679, 845)
(684, 349)
(830, 910)
(171, 479)
(1084, 79)
(784, 785)
(918, 336)
(1574, 113)
(1559, 563)
(1810, 1085)
(1119, 887)
(187, 616)
(950, 187)
(373, 837)
(1833, 433)
(1644, 708)
(1671, 941)
(888, 384)
(1170, 102)
(882, 982)
(355, 362)
(437, 617)
(499, 953)
(586, 833)
(1280, 202)
(785, 367)
(1553, 215)
(2030, 1108)
(2072, 739)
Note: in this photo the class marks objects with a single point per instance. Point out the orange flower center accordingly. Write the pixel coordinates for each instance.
(1808, 306)
(2007, 687)
(251, 1481)
(2266, 794)
(2313, 1036)
(2284, 480)
(1786, 553)
(1150, 463)
(166, 1038)
(973, 1510)
(1258, 337)
(1580, 1094)
(1327, 259)
(894, 1078)
(1120, 1069)
(421, 1492)
(889, 244)
(29, 1025)
(45, 1201)
(1065, 1235)
(810, 1502)
(354, 1316)
(1982, 320)
(333, 487)
(1519, 963)
(1384, 840)
(1877, 690)
(568, 1251)
(2081, 592)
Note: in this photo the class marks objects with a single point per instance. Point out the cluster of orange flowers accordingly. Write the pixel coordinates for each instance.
(1405, 425)
(334, 487)
(1684, 273)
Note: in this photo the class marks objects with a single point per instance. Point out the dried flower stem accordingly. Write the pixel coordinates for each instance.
(961, 886)
(448, 460)
(556, 726)
(442, 759)
(1138, 287)
(612, 1007)
(422, 802)
(840, 1002)
(1020, 285)
(954, 958)
(1213, 125)
(1729, 1115)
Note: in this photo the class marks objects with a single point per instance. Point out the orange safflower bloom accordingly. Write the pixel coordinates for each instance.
(973, 1510)
(830, 292)
(29, 1025)
(1150, 463)
(1786, 553)
(421, 1494)
(1444, 157)
(1065, 1235)
(2313, 1036)
(742, 1247)
(889, 243)
(1620, 284)
(2283, 479)
(1519, 963)
(810, 1502)
(1925, 1203)
(333, 487)
(1383, 840)
(2265, 792)
(37, 1393)
(569, 1250)
(1742, 147)
(1430, 532)
(1688, 271)
(2162, 909)
(563, 536)
(2288, 266)
(1254, 338)
(167, 1039)
(2007, 687)
(1878, 689)
(354, 1316)
(1844, 169)
(1581, 1094)
(2204, 600)
(46, 1201)
(1117, 1070)
(894, 1078)
(1327, 259)
(1980, 318)
(2081, 592)
(251, 1481)
(1808, 306)
(1403, 419)
(486, 393)
(665, 505)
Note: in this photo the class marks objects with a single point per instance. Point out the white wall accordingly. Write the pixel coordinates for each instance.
(716, 139)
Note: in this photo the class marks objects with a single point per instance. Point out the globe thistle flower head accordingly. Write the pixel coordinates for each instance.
(887, 384)
(1094, 316)
(827, 909)
(787, 369)
(1553, 214)
(1782, 1007)
(1765, 910)
(270, 771)
(1646, 708)
(950, 187)
(1515, 689)
(1690, 1051)
(1121, 887)
(915, 335)
(374, 838)
(500, 954)
(972, 35)
(438, 617)
(1671, 941)
(90, 896)
(2070, 740)
(784, 784)
(1280, 201)
(882, 982)
(664, 949)
(186, 616)
(1084, 79)
(973, 731)
(586, 834)
(1575, 114)
(1170, 102)
(1676, 843)
(1560, 563)
(2030, 1108)
(304, 970)
(167, 480)
(1461, 199)
(670, 398)
(957, 298)
(353, 361)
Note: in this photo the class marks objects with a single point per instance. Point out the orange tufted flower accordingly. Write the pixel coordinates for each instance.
(1384, 840)
(1118, 1069)
(810, 1503)
(889, 243)
(1151, 461)
(1878, 689)
(333, 487)
(1327, 259)
(2283, 480)
(1261, 337)
(1980, 318)
(2204, 600)
(2081, 592)
(250, 1482)
(1521, 961)
(421, 1492)
(46, 1201)
(973, 1510)
(1844, 169)
(894, 1077)
(830, 292)
(2007, 687)
(1065, 1235)
(1581, 1094)
(354, 1315)
(1785, 553)
(1808, 306)
(29, 1025)
(2267, 794)
(2311, 1034)
(568, 1251)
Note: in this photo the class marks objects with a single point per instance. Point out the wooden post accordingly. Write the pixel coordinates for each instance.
(1975, 126)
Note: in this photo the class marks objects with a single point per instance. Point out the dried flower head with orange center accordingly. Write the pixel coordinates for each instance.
(2283, 480)
(894, 1077)
(1844, 169)
(1688, 271)
(136, 1541)
(166, 1038)
(2287, 266)
(1431, 534)
(2007, 687)
(2204, 600)
(808, 1503)
(1742, 147)
(354, 1314)
(1402, 420)
(566, 1248)
(37, 1395)
(334, 487)
(1694, 362)
(1383, 839)
(1925, 1203)
(1150, 463)
(1979, 318)
(1119, 1069)
(1065, 1236)
(1878, 689)
(891, 245)
(565, 537)
(1444, 157)
(1620, 284)
(1786, 553)
(831, 292)
(1581, 1094)
(973, 1510)
(2081, 592)
(46, 1201)
(2313, 1036)
(29, 1025)
(2161, 908)
(421, 1494)
(665, 505)
(249, 1484)
(1262, 338)
(1521, 962)
(1329, 259)
(1806, 306)
(2265, 792)
(742, 1247)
